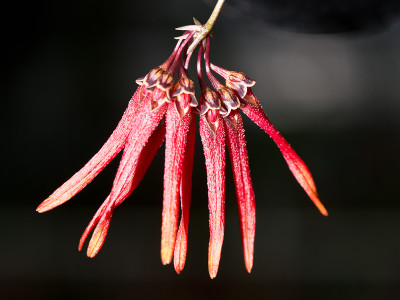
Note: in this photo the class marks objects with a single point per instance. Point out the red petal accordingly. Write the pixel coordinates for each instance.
(175, 143)
(296, 165)
(99, 161)
(244, 187)
(214, 152)
(185, 191)
(123, 183)
(145, 158)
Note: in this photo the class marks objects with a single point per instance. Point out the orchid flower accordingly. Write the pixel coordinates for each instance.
(162, 109)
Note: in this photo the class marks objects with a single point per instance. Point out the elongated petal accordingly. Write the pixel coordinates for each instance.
(185, 193)
(136, 142)
(145, 159)
(299, 169)
(175, 143)
(99, 161)
(214, 152)
(244, 187)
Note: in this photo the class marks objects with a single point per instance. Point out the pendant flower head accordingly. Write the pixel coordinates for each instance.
(162, 109)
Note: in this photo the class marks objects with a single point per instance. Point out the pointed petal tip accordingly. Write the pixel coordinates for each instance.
(179, 257)
(249, 266)
(98, 237)
(46, 205)
(213, 264)
(320, 206)
(82, 241)
(179, 262)
(213, 272)
(51, 202)
(323, 210)
(91, 254)
(178, 268)
(167, 251)
(42, 209)
(95, 246)
(248, 261)
(315, 199)
(166, 256)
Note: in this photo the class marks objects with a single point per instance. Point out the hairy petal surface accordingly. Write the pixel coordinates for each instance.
(175, 144)
(103, 215)
(185, 193)
(213, 139)
(244, 187)
(100, 160)
(296, 165)
(138, 138)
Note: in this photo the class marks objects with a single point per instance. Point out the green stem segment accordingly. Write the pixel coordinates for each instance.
(214, 15)
(206, 28)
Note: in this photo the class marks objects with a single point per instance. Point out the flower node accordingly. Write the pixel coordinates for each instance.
(209, 99)
(229, 100)
(184, 95)
(152, 79)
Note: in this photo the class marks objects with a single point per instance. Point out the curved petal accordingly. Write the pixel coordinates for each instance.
(139, 137)
(244, 187)
(185, 192)
(103, 215)
(100, 160)
(214, 152)
(175, 144)
(296, 165)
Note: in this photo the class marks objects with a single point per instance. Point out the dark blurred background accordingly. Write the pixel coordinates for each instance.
(328, 76)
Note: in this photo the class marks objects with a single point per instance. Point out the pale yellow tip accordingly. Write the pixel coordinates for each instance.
(322, 209)
(213, 267)
(166, 256)
(212, 273)
(249, 267)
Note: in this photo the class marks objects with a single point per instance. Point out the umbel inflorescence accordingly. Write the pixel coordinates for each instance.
(164, 107)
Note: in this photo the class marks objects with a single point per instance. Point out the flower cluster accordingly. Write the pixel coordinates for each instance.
(164, 109)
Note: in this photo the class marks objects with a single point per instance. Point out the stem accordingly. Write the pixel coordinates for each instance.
(215, 83)
(177, 57)
(171, 59)
(206, 28)
(214, 15)
(203, 83)
(187, 60)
